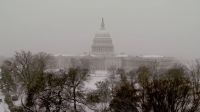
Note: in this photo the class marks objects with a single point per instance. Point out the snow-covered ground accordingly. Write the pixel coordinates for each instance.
(3, 105)
(96, 77)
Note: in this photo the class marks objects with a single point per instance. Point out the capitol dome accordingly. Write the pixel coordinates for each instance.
(102, 43)
(102, 33)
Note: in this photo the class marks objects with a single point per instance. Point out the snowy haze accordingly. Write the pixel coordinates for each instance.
(138, 27)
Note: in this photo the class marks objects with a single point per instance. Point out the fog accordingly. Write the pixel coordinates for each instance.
(138, 27)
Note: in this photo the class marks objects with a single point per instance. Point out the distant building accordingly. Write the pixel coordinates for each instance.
(102, 43)
(103, 57)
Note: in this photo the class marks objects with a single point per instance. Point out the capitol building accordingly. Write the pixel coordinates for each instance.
(103, 57)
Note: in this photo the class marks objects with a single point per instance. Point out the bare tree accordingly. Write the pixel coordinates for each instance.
(195, 80)
(74, 87)
(29, 69)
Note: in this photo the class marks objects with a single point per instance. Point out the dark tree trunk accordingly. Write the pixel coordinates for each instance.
(74, 97)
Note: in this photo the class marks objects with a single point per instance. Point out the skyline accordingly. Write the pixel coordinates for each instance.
(160, 27)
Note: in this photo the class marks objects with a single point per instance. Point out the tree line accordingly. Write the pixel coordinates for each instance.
(25, 79)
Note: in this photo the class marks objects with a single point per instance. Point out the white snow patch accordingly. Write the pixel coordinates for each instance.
(152, 56)
(122, 55)
(3, 105)
(94, 78)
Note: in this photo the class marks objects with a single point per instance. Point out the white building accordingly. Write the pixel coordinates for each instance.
(102, 43)
(103, 57)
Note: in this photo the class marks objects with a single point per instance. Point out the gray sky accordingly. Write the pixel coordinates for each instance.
(163, 27)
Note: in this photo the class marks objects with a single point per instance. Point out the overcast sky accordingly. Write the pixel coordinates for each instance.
(138, 27)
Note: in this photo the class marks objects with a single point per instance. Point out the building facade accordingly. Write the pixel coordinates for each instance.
(103, 57)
